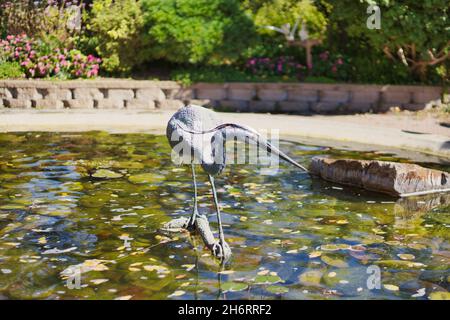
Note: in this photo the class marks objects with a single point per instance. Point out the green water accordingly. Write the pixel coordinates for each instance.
(74, 199)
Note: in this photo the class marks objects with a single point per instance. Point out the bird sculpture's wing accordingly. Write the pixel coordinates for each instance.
(243, 133)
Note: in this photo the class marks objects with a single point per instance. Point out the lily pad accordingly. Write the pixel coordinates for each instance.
(400, 264)
(234, 286)
(440, 295)
(311, 278)
(277, 289)
(146, 178)
(106, 174)
(267, 279)
(338, 263)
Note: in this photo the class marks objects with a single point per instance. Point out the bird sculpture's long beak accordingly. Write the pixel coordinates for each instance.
(243, 133)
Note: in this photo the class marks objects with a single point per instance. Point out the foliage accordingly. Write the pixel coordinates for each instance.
(414, 33)
(10, 70)
(115, 32)
(38, 60)
(56, 22)
(191, 74)
(331, 66)
(281, 12)
(200, 31)
(268, 67)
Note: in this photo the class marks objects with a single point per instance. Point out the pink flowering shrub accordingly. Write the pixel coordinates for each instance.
(270, 67)
(39, 61)
(328, 65)
(324, 65)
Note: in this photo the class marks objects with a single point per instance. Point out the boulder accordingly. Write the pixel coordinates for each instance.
(392, 178)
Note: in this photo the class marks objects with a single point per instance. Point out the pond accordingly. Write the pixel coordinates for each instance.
(93, 202)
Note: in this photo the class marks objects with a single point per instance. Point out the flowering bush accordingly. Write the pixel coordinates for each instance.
(270, 67)
(331, 66)
(38, 61)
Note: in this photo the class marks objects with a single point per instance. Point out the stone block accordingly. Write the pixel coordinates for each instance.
(155, 94)
(58, 94)
(169, 104)
(393, 97)
(79, 104)
(140, 104)
(109, 104)
(335, 96)
(218, 93)
(360, 107)
(48, 104)
(88, 93)
(424, 97)
(234, 105)
(304, 95)
(300, 107)
(241, 94)
(28, 93)
(365, 96)
(120, 94)
(17, 103)
(326, 107)
(179, 94)
(265, 94)
(262, 106)
(5, 93)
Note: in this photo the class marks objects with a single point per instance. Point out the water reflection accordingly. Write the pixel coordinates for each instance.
(72, 199)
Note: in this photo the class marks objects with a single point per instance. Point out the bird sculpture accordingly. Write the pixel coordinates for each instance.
(198, 136)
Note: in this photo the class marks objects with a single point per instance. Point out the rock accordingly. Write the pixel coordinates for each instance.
(393, 178)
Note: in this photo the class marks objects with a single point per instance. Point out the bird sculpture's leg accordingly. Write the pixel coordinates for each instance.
(221, 248)
(191, 222)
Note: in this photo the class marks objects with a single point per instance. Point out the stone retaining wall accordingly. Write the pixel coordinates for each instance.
(302, 98)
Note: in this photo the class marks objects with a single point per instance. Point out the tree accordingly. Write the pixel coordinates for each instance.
(414, 33)
(289, 17)
(196, 31)
(115, 31)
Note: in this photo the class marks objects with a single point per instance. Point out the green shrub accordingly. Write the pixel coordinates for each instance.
(115, 32)
(196, 31)
(280, 12)
(192, 74)
(10, 70)
(55, 22)
(413, 34)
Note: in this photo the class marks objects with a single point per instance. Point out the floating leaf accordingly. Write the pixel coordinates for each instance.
(315, 254)
(399, 264)
(86, 266)
(439, 295)
(334, 247)
(311, 278)
(391, 287)
(234, 286)
(147, 178)
(157, 268)
(267, 279)
(99, 281)
(338, 263)
(177, 293)
(188, 267)
(106, 174)
(406, 256)
(277, 289)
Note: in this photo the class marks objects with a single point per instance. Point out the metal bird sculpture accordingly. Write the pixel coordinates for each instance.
(199, 132)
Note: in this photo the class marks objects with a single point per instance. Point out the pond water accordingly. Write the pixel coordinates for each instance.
(79, 219)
